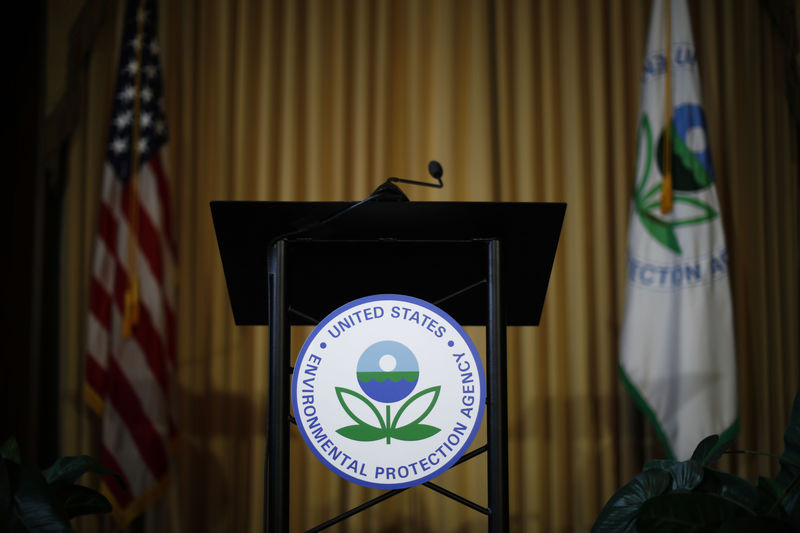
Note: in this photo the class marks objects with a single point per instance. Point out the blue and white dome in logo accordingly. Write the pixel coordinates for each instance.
(387, 371)
(388, 391)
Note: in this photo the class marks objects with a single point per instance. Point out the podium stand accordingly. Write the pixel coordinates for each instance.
(292, 263)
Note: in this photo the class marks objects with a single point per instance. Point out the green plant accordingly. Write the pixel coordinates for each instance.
(46, 501)
(688, 496)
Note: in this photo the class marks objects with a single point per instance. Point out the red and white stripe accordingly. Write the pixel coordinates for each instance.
(129, 379)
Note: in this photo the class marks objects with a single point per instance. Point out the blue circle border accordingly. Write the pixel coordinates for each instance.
(456, 326)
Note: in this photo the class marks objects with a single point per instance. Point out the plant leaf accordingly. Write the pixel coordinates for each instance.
(660, 464)
(10, 450)
(790, 462)
(5, 492)
(362, 432)
(619, 513)
(687, 512)
(770, 495)
(729, 486)
(414, 432)
(77, 500)
(711, 449)
(341, 392)
(686, 475)
(13, 525)
(71, 468)
(433, 390)
(770, 486)
(34, 503)
(749, 524)
(9, 520)
(705, 446)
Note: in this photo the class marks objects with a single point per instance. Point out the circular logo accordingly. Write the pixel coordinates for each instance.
(388, 391)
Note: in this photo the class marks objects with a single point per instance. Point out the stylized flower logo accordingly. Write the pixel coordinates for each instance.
(387, 372)
(691, 172)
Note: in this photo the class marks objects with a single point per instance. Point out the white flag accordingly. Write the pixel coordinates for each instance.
(677, 350)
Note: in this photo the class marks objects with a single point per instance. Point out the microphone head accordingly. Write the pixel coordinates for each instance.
(435, 169)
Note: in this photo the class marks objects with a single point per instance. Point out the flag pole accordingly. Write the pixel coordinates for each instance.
(131, 317)
(666, 182)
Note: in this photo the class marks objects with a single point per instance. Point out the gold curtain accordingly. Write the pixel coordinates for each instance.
(520, 101)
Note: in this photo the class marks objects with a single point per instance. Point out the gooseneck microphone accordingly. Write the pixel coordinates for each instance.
(386, 192)
(434, 169)
(389, 192)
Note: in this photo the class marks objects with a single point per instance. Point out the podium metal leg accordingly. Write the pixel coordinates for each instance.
(276, 475)
(497, 403)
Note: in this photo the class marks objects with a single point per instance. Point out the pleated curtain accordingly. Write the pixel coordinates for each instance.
(519, 101)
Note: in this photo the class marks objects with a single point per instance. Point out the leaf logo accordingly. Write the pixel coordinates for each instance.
(387, 372)
(387, 427)
(692, 171)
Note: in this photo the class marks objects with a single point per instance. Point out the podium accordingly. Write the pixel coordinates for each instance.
(291, 263)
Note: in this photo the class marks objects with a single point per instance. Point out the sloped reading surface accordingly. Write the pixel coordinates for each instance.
(424, 249)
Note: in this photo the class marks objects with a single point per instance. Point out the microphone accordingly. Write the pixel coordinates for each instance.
(434, 169)
(386, 192)
(389, 192)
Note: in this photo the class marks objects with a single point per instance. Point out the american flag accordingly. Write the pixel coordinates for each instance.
(130, 357)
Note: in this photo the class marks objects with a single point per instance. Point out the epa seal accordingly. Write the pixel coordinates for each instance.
(388, 391)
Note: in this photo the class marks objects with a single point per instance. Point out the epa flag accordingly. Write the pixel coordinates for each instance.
(130, 358)
(677, 351)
